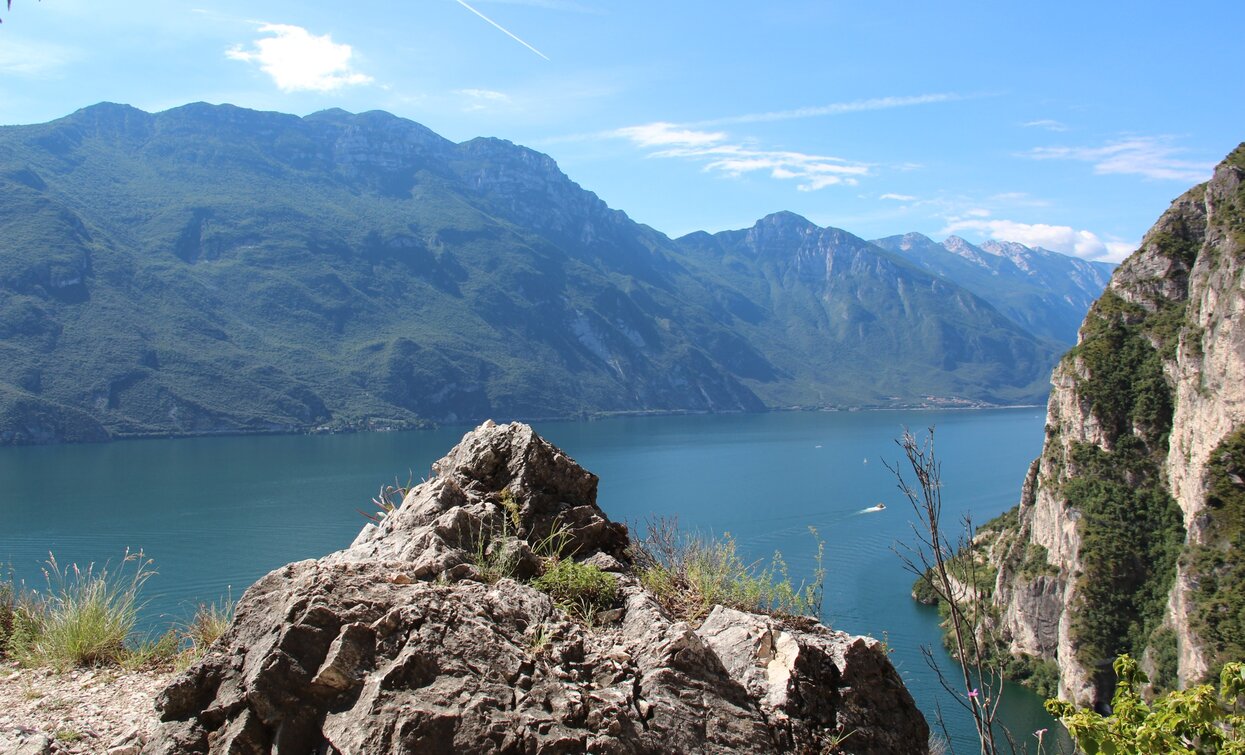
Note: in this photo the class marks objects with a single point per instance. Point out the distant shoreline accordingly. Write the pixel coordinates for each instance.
(390, 426)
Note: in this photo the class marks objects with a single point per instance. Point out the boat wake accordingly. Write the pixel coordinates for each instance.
(873, 509)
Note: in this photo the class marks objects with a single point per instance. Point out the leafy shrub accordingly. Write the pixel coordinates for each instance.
(1200, 719)
(578, 588)
(691, 574)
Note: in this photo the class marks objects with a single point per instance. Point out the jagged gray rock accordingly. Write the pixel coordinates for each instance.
(396, 645)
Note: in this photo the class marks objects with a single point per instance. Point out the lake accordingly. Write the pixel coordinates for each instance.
(217, 513)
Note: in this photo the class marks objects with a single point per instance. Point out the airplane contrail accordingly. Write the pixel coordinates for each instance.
(502, 29)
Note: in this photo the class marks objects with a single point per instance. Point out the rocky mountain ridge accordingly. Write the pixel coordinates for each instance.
(403, 643)
(1128, 534)
(1046, 292)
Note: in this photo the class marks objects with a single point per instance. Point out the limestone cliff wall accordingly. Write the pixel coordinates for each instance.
(1154, 386)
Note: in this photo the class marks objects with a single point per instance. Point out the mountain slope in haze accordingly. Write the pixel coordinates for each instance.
(843, 301)
(1046, 292)
(215, 269)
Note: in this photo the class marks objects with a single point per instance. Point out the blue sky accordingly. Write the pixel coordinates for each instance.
(1060, 124)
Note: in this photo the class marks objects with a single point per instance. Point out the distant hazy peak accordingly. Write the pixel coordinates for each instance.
(914, 239)
(787, 220)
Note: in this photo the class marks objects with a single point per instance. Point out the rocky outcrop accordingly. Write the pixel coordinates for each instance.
(1118, 500)
(405, 642)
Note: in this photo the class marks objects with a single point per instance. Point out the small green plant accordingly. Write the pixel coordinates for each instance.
(495, 557)
(557, 543)
(1199, 719)
(388, 500)
(206, 626)
(145, 653)
(512, 508)
(691, 574)
(538, 640)
(580, 589)
(68, 736)
(83, 619)
(8, 610)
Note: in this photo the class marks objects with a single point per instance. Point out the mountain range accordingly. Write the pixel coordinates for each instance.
(214, 269)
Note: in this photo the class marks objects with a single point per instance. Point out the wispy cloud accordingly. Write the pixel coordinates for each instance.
(24, 59)
(482, 99)
(558, 5)
(1059, 238)
(1149, 156)
(1046, 123)
(502, 29)
(898, 197)
(838, 108)
(298, 60)
(717, 153)
(1019, 199)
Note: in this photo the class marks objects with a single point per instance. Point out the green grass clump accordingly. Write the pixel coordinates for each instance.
(87, 617)
(578, 588)
(209, 623)
(690, 574)
(84, 618)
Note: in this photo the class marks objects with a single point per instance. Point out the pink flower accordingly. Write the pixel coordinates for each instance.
(1039, 734)
(973, 694)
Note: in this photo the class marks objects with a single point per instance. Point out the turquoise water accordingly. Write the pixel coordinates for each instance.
(217, 513)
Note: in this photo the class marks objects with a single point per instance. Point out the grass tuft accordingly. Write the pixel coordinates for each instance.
(83, 619)
(690, 574)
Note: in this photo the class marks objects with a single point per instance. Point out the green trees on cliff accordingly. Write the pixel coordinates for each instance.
(1200, 719)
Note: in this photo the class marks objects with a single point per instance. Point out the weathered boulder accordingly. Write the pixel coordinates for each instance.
(399, 645)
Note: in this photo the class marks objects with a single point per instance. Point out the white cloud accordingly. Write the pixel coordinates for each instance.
(1060, 238)
(663, 134)
(977, 212)
(1046, 123)
(898, 197)
(1152, 157)
(718, 153)
(298, 60)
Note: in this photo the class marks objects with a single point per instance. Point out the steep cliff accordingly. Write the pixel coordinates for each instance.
(1128, 534)
(403, 643)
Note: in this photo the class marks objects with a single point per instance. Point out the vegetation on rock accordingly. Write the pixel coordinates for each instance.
(1131, 534)
(1200, 719)
(87, 617)
(690, 574)
(1218, 566)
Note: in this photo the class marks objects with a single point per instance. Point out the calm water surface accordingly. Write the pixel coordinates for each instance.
(217, 513)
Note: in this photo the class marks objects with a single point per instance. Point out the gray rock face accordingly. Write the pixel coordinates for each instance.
(397, 645)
